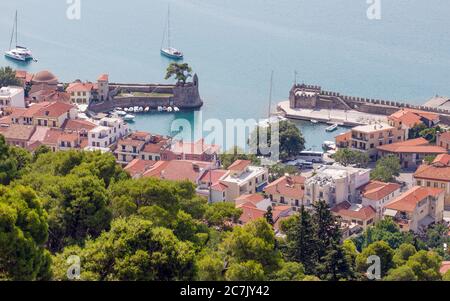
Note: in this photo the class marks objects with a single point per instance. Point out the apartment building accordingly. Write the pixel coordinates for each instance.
(378, 194)
(417, 208)
(287, 190)
(335, 184)
(11, 97)
(411, 152)
(367, 138)
(435, 175)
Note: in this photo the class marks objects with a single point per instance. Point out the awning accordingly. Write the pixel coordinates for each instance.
(390, 212)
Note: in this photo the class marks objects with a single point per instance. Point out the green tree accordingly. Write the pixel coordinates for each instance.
(335, 265)
(402, 273)
(8, 77)
(222, 214)
(403, 253)
(385, 230)
(210, 268)
(346, 157)
(23, 233)
(387, 169)
(253, 242)
(40, 150)
(77, 210)
(246, 271)
(301, 240)
(181, 72)
(380, 249)
(8, 164)
(269, 216)
(446, 276)
(277, 171)
(291, 141)
(429, 159)
(236, 153)
(289, 271)
(425, 265)
(133, 250)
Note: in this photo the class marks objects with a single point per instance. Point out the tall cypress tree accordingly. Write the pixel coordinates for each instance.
(302, 242)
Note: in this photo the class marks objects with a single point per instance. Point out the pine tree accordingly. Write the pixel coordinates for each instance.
(326, 232)
(269, 216)
(302, 242)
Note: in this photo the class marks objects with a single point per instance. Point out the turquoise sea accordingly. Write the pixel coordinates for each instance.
(234, 45)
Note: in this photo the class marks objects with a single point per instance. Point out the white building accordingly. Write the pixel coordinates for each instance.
(243, 178)
(108, 132)
(12, 97)
(335, 184)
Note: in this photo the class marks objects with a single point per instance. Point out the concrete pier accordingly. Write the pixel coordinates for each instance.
(349, 118)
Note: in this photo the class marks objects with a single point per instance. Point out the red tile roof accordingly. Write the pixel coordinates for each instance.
(445, 267)
(215, 175)
(139, 166)
(250, 213)
(439, 170)
(54, 109)
(254, 198)
(80, 87)
(19, 132)
(419, 145)
(287, 186)
(177, 170)
(154, 148)
(197, 148)
(408, 201)
(376, 190)
(239, 165)
(407, 118)
(345, 210)
(103, 78)
(78, 125)
(219, 187)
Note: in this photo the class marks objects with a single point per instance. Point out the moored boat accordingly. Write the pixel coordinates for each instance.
(332, 128)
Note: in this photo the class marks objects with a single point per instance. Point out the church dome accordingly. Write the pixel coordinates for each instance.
(45, 77)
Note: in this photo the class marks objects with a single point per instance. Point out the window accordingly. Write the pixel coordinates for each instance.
(282, 199)
(419, 183)
(428, 184)
(143, 157)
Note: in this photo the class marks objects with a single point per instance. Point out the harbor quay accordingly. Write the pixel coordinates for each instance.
(348, 118)
(309, 99)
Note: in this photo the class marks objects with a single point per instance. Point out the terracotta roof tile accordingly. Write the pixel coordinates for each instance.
(239, 165)
(80, 87)
(177, 170)
(54, 109)
(419, 145)
(408, 201)
(438, 170)
(376, 190)
(287, 186)
(345, 209)
(139, 166)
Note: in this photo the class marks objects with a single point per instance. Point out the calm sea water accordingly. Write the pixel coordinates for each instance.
(234, 45)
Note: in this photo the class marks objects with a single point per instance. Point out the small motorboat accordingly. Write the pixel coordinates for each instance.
(169, 109)
(130, 109)
(314, 121)
(332, 128)
(129, 117)
(147, 109)
(176, 109)
(160, 109)
(328, 145)
(120, 113)
(141, 109)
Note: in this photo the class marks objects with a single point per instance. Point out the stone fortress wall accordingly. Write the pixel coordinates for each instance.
(313, 97)
(185, 97)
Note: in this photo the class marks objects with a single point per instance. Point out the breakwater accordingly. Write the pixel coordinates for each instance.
(312, 97)
(184, 96)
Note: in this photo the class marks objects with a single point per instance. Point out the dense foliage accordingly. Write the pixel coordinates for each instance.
(59, 205)
(387, 169)
(346, 157)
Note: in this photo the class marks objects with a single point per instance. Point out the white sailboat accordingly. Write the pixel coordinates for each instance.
(20, 53)
(169, 51)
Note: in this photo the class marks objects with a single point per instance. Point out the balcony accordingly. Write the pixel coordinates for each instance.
(359, 138)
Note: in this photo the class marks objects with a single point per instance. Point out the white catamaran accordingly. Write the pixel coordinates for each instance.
(19, 53)
(169, 51)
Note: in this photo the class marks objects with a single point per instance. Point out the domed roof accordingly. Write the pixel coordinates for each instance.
(45, 77)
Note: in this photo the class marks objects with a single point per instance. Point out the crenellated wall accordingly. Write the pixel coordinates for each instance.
(313, 97)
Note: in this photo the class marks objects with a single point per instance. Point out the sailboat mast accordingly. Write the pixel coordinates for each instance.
(17, 29)
(270, 94)
(168, 25)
